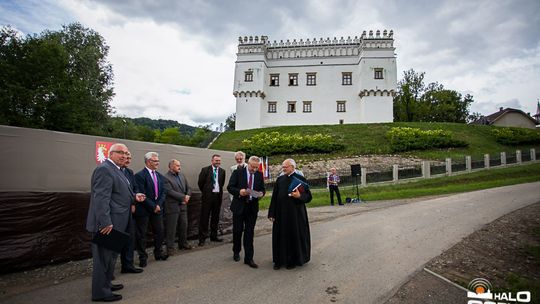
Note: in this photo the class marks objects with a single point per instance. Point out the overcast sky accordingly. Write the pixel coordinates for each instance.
(174, 59)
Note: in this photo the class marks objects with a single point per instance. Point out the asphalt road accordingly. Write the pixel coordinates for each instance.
(358, 258)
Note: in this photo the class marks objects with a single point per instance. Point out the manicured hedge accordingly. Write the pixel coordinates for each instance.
(516, 136)
(407, 139)
(272, 143)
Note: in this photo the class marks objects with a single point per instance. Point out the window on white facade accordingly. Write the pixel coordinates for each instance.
(248, 76)
(274, 80)
(293, 79)
(272, 107)
(311, 79)
(307, 106)
(291, 106)
(341, 106)
(378, 73)
(346, 78)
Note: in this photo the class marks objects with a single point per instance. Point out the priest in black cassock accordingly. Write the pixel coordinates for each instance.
(291, 244)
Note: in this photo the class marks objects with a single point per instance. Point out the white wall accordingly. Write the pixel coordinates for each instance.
(376, 106)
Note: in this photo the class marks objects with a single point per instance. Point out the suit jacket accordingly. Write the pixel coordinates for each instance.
(238, 181)
(177, 189)
(110, 200)
(145, 184)
(131, 178)
(205, 181)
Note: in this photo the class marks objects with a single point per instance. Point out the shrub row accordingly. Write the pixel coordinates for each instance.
(516, 136)
(406, 139)
(273, 143)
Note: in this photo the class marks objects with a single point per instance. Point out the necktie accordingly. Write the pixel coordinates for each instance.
(250, 182)
(154, 177)
(214, 176)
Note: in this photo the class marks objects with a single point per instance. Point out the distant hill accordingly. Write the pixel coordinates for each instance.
(369, 139)
(163, 124)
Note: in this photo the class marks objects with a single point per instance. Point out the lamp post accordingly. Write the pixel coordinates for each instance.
(125, 123)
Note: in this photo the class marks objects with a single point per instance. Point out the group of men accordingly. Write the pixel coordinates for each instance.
(129, 202)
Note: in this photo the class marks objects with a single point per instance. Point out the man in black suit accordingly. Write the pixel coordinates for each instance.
(126, 256)
(110, 205)
(211, 180)
(150, 182)
(247, 187)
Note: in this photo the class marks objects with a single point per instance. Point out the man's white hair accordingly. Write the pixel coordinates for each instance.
(115, 147)
(254, 158)
(240, 153)
(291, 161)
(149, 155)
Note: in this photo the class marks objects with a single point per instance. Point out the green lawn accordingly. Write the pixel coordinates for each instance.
(368, 139)
(435, 186)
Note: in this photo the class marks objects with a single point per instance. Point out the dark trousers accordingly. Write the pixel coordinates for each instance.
(244, 223)
(334, 188)
(211, 206)
(171, 222)
(181, 228)
(126, 256)
(141, 230)
(102, 272)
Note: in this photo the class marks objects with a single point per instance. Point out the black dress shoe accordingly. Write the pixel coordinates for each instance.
(162, 257)
(291, 266)
(115, 287)
(201, 243)
(186, 247)
(112, 298)
(236, 257)
(277, 267)
(142, 263)
(251, 264)
(131, 270)
(216, 240)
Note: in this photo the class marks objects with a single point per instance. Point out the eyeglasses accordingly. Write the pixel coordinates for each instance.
(121, 152)
(154, 160)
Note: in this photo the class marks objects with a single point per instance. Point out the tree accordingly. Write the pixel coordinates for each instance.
(230, 122)
(416, 101)
(474, 117)
(406, 102)
(55, 80)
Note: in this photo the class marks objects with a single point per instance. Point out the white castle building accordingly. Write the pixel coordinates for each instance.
(312, 82)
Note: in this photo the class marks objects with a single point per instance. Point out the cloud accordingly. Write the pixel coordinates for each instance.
(175, 59)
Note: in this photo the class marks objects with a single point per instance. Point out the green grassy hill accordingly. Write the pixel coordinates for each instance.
(369, 139)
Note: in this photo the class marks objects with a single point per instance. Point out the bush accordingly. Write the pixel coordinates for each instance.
(276, 143)
(407, 139)
(516, 136)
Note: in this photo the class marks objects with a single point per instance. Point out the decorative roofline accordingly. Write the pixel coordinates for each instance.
(263, 40)
(366, 93)
(258, 93)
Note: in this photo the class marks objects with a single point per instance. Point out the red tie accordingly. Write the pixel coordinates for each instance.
(250, 182)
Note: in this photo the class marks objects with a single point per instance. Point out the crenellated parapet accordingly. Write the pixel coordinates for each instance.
(249, 94)
(321, 47)
(366, 93)
(370, 40)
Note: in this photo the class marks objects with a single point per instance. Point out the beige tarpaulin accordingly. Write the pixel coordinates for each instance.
(45, 185)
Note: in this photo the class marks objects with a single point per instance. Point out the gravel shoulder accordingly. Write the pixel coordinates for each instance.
(501, 252)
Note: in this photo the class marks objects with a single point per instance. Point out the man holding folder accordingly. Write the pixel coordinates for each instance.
(110, 207)
(247, 187)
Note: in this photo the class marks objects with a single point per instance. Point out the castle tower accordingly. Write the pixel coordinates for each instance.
(249, 76)
(378, 73)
